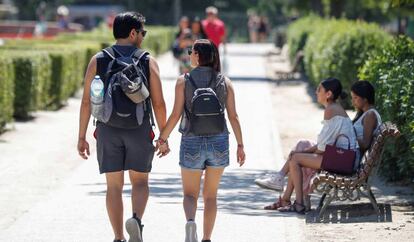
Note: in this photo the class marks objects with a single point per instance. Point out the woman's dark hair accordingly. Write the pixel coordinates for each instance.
(125, 22)
(198, 21)
(363, 89)
(208, 54)
(335, 86)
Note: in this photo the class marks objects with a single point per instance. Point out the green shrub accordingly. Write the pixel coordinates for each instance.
(391, 71)
(67, 66)
(6, 91)
(158, 39)
(340, 48)
(67, 75)
(31, 81)
(43, 74)
(299, 31)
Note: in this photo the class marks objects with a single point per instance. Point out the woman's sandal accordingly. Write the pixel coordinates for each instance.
(295, 207)
(278, 204)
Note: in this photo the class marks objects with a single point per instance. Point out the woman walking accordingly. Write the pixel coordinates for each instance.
(205, 137)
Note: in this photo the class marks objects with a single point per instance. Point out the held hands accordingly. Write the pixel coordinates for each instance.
(162, 147)
(83, 148)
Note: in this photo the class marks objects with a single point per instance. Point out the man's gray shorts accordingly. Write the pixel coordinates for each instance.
(124, 149)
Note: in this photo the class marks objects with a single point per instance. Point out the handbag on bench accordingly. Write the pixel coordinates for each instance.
(338, 160)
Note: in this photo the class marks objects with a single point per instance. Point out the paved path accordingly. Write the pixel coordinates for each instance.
(51, 195)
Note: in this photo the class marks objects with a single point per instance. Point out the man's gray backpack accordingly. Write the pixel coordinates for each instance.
(126, 99)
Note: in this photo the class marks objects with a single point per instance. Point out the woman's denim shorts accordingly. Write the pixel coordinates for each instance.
(198, 152)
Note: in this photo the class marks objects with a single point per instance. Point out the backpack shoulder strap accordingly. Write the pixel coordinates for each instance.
(214, 77)
(110, 52)
(189, 78)
(219, 79)
(139, 54)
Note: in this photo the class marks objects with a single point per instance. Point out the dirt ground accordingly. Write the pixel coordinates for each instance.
(299, 117)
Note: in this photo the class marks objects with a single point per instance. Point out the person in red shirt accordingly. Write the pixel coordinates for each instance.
(214, 27)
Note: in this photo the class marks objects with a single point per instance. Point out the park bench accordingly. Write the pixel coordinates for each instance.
(336, 187)
(279, 68)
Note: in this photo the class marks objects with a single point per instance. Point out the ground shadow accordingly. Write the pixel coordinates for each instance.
(25, 119)
(237, 194)
(351, 213)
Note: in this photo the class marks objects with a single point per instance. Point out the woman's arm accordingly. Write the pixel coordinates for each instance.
(369, 123)
(234, 121)
(177, 110)
(232, 113)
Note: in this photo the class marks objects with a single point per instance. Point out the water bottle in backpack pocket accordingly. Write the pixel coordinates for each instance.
(97, 98)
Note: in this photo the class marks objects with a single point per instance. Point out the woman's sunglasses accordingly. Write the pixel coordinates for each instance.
(189, 51)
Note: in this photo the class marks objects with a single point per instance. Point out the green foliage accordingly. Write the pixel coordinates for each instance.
(391, 71)
(67, 63)
(158, 39)
(31, 81)
(43, 74)
(339, 48)
(299, 31)
(6, 91)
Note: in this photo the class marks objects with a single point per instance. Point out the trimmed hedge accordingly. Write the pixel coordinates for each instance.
(391, 71)
(31, 81)
(158, 39)
(299, 31)
(66, 64)
(6, 91)
(43, 74)
(340, 48)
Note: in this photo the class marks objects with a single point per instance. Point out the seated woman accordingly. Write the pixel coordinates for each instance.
(367, 119)
(336, 122)
(366, 124)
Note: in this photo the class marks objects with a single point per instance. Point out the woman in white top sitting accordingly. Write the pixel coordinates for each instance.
(366, 124)
(367, 119)
(336, 122)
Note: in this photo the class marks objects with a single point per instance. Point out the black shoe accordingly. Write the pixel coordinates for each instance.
(119, 240)
(134, 228)
(206, 240)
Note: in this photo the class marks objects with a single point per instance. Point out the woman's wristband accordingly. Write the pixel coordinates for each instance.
(240, 146)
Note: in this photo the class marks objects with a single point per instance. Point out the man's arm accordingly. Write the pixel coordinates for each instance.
(85, 110)
(156, 95)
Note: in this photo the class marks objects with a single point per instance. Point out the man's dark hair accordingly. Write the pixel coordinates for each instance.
(125, 22)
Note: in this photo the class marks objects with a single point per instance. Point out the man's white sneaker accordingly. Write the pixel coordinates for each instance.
(273, 182)
(191, 232)
(134, 228)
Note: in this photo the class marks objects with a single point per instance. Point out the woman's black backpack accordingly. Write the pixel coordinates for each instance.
(207, 114)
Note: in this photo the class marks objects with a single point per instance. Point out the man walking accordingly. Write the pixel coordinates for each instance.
(120, 149)
(214, 27)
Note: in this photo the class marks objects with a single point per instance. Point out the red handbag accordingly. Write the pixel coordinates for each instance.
(338, 160)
